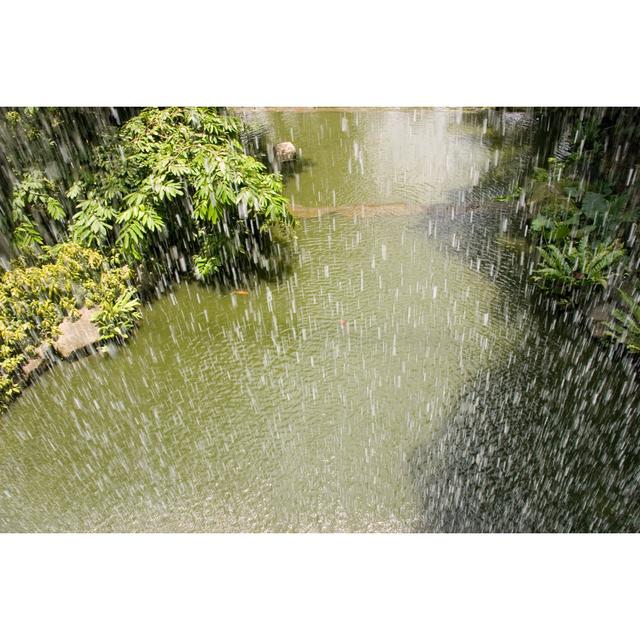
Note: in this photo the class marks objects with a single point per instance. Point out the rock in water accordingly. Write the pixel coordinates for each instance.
(598, 318)
(76, 335)
(285, 151)
(40, 361)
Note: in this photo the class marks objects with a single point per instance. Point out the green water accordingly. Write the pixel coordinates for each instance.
(410, 156)
(300, 406)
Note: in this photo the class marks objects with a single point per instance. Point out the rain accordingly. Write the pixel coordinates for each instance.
(394, 365)
(319, 320)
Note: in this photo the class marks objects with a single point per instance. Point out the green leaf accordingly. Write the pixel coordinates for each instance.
(75, 190)
(540, 222)
(55, 210)
(594, 204)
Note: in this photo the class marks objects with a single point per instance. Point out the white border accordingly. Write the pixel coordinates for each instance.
(318, 586)
(329, 53)
(326, 53)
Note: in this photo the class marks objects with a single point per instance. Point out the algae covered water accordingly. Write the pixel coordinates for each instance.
(395, 378)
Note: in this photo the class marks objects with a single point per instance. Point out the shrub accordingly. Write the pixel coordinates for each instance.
(565, 270)
(174, 176)
(625, 326)
(43, 288)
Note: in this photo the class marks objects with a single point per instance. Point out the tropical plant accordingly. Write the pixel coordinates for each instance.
(42, 289)
(511, 196)
(625, 326)
(118, 313)
(569, 207)
(171, 177)
(563, 271)
(35, 207)
(55, 142)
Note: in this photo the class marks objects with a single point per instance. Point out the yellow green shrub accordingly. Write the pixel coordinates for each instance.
(42, 289)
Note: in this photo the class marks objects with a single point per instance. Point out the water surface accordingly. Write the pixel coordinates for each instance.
(378, 386)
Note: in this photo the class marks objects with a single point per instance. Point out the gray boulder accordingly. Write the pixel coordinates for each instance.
(285, 151)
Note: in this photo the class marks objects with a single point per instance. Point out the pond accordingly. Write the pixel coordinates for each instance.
(397, 378)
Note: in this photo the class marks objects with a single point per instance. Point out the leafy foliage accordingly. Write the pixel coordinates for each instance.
(568, 207)
(578, 225)
(625, 326)
(511, 196)
(119, 309)
(179, 174)
(41, 290)
(563, 271)
(175, 176)
(35, 200)
(54, 141)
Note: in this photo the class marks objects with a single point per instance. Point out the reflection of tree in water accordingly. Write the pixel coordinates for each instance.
(549, 443)
(290, 168)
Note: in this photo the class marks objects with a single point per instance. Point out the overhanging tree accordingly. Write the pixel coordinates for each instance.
(168, 177)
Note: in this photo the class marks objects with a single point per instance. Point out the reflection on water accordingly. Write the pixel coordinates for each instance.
(329, 400)
(377, 157)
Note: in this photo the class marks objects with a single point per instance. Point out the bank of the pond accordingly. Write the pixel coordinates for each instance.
(59, 302)
(169, 193)
(580, 207)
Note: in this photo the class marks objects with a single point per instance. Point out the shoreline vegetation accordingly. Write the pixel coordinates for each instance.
(107, 208)
(169, 194)
(57, 304)
(581, 210)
